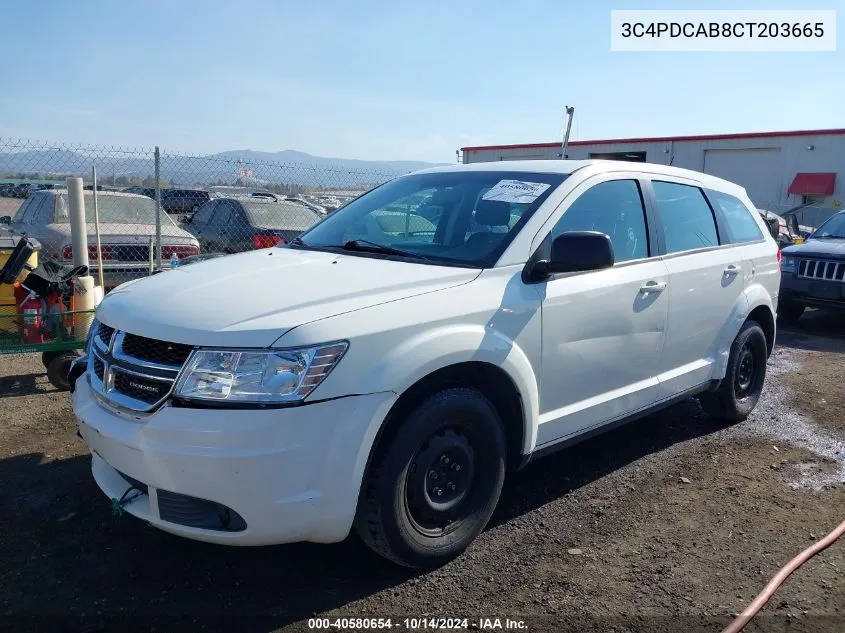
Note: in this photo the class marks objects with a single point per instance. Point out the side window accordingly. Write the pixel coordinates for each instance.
(740, 222)
(204, 213)
(615, 208)
(224, 212)
(687, 220)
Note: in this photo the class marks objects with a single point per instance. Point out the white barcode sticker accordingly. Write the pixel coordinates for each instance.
(516, 191)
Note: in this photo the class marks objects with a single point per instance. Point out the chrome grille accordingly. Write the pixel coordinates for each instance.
(133, 372)
(824, 269)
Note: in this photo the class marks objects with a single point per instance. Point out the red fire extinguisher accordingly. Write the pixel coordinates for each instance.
(30, 311)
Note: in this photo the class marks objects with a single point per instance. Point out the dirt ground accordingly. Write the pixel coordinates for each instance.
(668, 524)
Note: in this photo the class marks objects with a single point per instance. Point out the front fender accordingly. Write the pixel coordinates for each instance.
(427, 352)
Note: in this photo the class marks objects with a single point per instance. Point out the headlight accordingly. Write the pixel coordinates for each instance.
(788, 264)
(257, 376)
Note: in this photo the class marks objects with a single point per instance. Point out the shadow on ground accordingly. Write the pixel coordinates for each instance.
(59, 530)
(816, 331)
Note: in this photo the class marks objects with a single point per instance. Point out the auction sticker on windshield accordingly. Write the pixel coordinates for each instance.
(516, 191)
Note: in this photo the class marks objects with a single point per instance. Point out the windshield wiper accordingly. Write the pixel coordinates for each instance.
(373, 247)
(828, 236)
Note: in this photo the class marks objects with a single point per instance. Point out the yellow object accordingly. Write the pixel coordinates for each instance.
(85, 297)
(798, 240)
(7, 295)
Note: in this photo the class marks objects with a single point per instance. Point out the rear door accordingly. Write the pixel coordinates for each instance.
(199, 224)
(707, 277)
(218, 230)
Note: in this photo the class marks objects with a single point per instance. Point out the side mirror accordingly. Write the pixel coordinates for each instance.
(774, 227)
(6, 219)
(792, 224)
(578, 251)
(187, 219)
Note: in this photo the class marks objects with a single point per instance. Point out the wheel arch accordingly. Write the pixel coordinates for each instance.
(490, 380)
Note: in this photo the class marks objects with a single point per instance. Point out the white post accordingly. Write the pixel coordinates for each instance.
(78, 229)
(97, 228)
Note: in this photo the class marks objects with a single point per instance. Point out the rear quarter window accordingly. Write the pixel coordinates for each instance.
(738, 219)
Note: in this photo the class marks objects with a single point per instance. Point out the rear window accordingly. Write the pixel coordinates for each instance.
(739, 220)
(279, 215)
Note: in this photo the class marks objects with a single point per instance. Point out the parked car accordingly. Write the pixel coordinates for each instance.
(23, 189)
(127, 226)
(6, 189)
(182, 201)
(814, 272)
(361, 376)
(150, 192)
(236, 224)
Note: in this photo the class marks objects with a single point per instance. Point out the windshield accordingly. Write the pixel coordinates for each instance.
(115, 209)
(464, 218)
(279, 215)
(834, 227)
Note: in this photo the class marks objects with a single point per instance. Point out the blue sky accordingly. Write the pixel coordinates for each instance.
(377, 79)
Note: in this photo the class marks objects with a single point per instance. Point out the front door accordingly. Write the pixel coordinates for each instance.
(603, 331)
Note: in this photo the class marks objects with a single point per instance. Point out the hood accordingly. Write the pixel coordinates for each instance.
(828, 247)
(253, 298)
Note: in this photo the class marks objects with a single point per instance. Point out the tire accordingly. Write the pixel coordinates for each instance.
(790, 311)
(47, 357)
(58, 368)
(740, 389)
(399, 515)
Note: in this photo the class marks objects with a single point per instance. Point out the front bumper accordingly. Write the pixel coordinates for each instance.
(812, 292)
(292, 474)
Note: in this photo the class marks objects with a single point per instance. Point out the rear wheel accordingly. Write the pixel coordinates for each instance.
(740, 390)
(431, 490)
(790, 311)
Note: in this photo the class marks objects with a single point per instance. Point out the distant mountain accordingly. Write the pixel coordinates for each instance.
(288, 167)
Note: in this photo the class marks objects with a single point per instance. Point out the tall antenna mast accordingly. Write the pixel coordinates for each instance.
(570, 112)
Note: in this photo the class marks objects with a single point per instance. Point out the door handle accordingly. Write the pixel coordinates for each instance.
(733, 269)
(653, 286)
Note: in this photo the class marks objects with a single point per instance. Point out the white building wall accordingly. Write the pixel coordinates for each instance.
(765, 166)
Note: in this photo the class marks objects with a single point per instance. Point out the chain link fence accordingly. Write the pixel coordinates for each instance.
(158, 209)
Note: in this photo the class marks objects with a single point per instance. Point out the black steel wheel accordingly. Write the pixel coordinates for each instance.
(790, 311)
(740, 389)
(432, 487)
(58, 369)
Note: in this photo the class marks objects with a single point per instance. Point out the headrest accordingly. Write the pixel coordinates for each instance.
(493, 213)
(445, 197)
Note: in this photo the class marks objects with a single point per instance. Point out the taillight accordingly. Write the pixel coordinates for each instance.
(780, 257)
(180, 250)
(67, 252)
(266, 241)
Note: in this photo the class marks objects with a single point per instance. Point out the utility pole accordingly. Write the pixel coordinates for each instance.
(570, 112)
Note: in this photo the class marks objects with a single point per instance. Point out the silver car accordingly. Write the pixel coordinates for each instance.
(127, 231)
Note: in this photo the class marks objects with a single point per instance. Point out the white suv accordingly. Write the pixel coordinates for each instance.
(386, 369)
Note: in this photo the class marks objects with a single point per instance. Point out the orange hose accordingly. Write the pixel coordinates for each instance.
(751, 610)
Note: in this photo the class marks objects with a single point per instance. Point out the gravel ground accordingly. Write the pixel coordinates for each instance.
(668, 524)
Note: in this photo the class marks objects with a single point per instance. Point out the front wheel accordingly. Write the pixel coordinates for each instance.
(433, 487)
(790, 311)
(740, 389)
(58, 366)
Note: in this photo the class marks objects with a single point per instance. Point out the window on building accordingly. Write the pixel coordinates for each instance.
(687, 220)
(812, 201)
(615, 208)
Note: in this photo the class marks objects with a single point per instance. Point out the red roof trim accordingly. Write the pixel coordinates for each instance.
(662, 139)
(813, 184)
